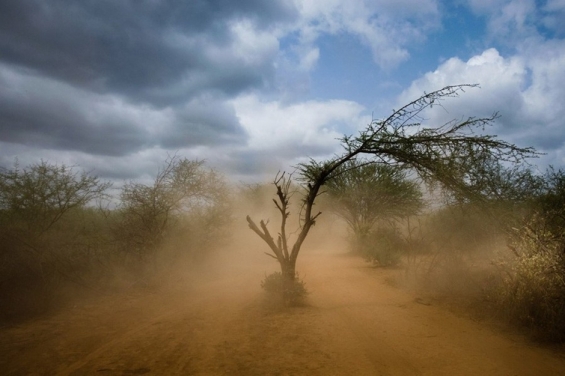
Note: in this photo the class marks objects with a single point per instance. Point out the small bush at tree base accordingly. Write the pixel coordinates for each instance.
(291, 293)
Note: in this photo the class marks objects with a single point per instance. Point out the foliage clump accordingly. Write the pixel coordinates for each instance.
(364, 193)
(41, 240)
(382, 246)
(371, 198)
(60, 231)
(149, 214)
(289, 292)
(533, 292)
(173, 219)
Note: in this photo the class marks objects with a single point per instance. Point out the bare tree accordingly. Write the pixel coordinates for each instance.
(449, 155)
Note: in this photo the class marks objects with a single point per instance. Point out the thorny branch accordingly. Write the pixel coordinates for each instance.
(452, 155)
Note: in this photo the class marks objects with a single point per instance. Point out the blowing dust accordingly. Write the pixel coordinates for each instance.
(197, 308)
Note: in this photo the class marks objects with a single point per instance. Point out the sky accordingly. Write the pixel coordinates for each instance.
(253, 87)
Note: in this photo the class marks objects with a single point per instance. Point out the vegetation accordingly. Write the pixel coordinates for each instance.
(54, 237)
(550, 202)
(364, 193)
(36, 207)
(451, 155)
(370, 198)
(382, 246)
(532, 291)
(150, 213)
(37, 197)
(289, 293)
(501, 257)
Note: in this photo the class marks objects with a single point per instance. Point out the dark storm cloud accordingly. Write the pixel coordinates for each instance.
(115, 77)
(203, 121)
(129, 46)
(41, 112)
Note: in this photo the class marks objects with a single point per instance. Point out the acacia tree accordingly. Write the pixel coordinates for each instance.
(363, 193)
(36, 197)
(450, 155)
(147, 211)
(34, 200)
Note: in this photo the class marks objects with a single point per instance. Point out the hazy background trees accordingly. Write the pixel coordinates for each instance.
(186, 200)
(371, 198)
(60, 230)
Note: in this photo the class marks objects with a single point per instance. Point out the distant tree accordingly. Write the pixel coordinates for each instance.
(550, 203)
(34, 201)
(148, 211)
(447, 155)
(253, 195)
(363, 193)
(36, 197)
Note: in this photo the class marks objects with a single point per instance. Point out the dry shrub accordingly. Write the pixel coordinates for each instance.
(533, 292)
(281, 290)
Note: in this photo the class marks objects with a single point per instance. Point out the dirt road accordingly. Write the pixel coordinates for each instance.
(217, 323)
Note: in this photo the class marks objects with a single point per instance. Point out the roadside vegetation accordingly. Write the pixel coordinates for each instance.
(489, 233)
(372, 199)
(461, 213)
(499, 256)
(61, 233)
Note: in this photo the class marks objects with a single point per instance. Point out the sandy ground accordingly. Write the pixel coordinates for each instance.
(217, 322)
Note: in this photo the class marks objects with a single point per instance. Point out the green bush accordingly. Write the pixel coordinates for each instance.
(45, 237)
(382, 246)
(291, 293)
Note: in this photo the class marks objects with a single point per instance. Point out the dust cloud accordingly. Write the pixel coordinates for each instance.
(204, 313)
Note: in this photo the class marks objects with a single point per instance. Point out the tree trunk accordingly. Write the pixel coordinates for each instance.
(288, 269)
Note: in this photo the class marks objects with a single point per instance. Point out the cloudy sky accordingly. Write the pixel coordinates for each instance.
(254, 86)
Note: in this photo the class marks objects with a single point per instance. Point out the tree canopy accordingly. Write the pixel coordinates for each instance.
(39, 195)
(363, 193)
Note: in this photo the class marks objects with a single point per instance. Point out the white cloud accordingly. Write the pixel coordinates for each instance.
(527, 89)
(385, 26)
(554, 14)
(303, 129)
(309, 59)
(283, 135)
(252, 46)
(555, 5)
(500, 80)
(512, 21)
